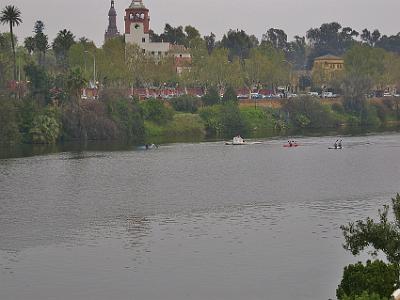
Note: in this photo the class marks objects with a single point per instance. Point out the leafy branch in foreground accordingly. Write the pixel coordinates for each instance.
(383, 235)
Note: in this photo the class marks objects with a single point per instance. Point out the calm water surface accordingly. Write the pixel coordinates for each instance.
(189, 221)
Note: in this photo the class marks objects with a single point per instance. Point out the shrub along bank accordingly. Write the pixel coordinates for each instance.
(120, 118)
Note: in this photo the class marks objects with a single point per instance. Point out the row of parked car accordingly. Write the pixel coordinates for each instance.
(287, 95)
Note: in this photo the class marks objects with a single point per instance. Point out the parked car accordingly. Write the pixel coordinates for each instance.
(328, 95)
(313, 94)
(256, 96)
(242, 97)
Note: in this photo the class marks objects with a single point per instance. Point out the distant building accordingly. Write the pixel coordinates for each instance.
(329, 64)
(137, 29)
(112, 30)
(326, 68)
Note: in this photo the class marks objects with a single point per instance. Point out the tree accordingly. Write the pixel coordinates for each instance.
(6, 59)
(41, 41)
(192, 36)
(40, 83)
(238, 43)
(11, 15)
(210, 42)
(173, 35)
(370, 38)
(256, 69)
(382, 235)
(29, 44)
(111, 64)
(61, 45)
(375, 277)
(75, 84)
(329, 39)
(211, 97)
(296, 52)
(389, 43)
(277, 38)
(229, 95)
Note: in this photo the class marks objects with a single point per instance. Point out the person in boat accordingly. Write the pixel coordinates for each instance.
(147, 146)
(340, 144)
(290, 143)
(335, 145)
(238, 140)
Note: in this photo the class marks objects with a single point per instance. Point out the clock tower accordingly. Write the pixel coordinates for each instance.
(137, 21)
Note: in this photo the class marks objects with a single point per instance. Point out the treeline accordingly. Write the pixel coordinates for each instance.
(43, 103)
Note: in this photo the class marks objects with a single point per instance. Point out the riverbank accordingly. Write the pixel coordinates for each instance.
(128, 121)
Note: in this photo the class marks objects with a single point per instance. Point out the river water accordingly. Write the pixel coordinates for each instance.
(189, 221)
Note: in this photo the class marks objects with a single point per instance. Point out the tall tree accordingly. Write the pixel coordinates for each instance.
(29, 44)
(276, 37)
(330, 38)
(239, 43)
(75, 84)
(370, 38)
(41, 41)
(296, 52)
(173, 35)
(11, 15)
(61, 45)
(210, 42)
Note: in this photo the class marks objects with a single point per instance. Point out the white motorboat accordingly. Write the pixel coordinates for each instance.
(238, 141)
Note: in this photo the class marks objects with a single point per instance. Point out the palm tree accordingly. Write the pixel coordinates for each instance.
(75, 84)
(11, 15)
(29, 44)
(61, 45)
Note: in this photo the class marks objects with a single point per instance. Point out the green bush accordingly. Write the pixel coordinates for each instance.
(186, 103)
(369, 116)
(257, 118)
(9, 132)
(154, 110)
(338, 107)
(307, 112)
(373, 278)
(223, 119)
(232, 120)
(152, 129)
(126, 114)
(211, 117)
(382, 111)
(27, 110)
(46, 127)
(186, 125)
(366, 296)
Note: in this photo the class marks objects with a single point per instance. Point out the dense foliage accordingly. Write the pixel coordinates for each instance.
(374, 277)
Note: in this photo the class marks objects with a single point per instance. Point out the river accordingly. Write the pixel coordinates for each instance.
(189, 221)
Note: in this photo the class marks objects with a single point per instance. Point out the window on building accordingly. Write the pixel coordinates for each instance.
(143, 40)
(143, 51)
(159, 53)
(153, 53)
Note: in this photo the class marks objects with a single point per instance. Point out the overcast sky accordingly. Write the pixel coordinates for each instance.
(89, 17)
